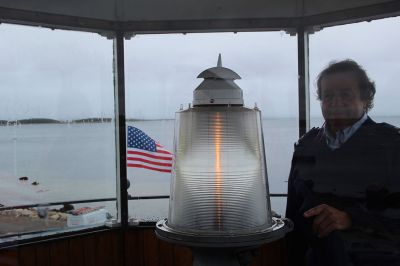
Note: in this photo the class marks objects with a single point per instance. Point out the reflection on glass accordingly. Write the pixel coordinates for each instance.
(381, 65)
(56, 132)
(161, 73)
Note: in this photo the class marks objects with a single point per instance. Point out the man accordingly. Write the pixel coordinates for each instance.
(344, 184)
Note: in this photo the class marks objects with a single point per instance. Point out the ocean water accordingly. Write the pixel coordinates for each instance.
(78, 161)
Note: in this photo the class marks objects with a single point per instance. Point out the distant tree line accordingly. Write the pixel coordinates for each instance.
(53, 121)
(92, 120)
(75, 121)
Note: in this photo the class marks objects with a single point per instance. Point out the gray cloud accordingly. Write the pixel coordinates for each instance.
(67, 75)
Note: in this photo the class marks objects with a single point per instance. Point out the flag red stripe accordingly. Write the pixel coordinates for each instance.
(150, 156)
(149, 162)
(165, 152)
(148, 167)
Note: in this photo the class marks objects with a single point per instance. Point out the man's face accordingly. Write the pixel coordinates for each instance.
(340, 97)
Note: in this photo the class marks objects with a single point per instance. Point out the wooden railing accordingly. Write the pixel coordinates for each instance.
(141, 246)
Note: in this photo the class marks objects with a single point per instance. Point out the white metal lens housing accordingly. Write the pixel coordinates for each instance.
(219, 186)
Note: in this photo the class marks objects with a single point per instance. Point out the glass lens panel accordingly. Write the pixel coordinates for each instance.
(219, 172)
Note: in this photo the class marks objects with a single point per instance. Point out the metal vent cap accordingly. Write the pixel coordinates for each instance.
(218, 87)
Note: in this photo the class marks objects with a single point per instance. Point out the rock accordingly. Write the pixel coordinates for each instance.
(24, 212)
(35, 183)
(58, 216)
(34, 215)
(42, 212)
(63, 216)
(4, 213)
(67, 207)
(54, 216)
(23, 178)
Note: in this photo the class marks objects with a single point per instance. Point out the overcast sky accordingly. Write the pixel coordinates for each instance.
(68, 75)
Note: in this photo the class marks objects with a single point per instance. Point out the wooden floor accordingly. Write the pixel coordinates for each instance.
(142, 248)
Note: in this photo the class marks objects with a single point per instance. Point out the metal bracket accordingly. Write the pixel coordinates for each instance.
(112, 223)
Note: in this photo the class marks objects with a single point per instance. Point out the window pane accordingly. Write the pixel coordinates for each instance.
(350, 168)
(56, 134)
(161, 73)
(374, 46)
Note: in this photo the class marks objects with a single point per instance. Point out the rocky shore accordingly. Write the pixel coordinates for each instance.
(29, 220)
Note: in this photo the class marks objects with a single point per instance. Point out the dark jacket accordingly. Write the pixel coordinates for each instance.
(362, 178)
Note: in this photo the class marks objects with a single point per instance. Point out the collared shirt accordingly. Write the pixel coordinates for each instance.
(334, 142)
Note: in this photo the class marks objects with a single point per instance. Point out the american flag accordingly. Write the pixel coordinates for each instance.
(144, 152)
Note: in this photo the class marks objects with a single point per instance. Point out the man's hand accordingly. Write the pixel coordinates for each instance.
(328, 219)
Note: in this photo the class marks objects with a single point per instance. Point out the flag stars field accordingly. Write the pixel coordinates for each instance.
(144, 152)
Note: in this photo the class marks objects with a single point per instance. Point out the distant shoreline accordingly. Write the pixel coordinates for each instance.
(31, 121)
(94, 120)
